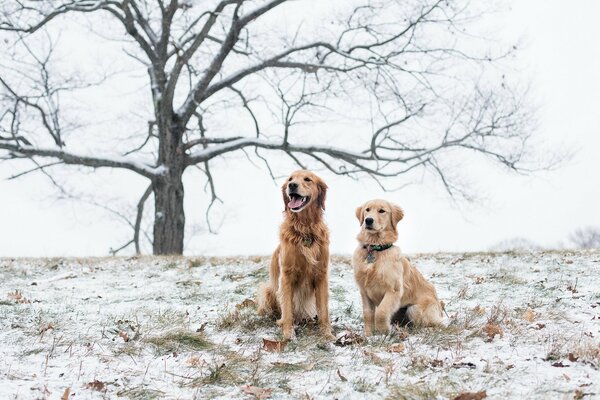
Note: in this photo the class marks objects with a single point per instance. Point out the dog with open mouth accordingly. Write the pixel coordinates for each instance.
(391, 288)
(298, 286)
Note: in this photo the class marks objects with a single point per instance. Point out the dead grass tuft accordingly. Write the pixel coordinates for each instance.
(177, 341)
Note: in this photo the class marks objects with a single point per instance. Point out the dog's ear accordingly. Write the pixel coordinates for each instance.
(285, 196)
(397, 214)
(322, 186)
(359, 214)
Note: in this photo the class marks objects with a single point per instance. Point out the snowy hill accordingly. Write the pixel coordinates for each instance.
(518, 326)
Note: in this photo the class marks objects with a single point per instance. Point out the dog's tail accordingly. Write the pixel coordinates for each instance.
(267, 302)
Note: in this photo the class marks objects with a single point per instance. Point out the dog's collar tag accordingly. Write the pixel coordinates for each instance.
(307, 241)
(372, 248)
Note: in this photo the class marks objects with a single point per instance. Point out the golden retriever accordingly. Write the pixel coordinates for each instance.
(298, 287)
(389, 284)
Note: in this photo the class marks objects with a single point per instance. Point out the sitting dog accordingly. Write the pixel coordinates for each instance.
(298, 287)
(391, 288)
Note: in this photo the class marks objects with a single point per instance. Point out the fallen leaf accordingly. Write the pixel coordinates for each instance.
(573, 357)
(66, 393)
(567, 377)
(479, 310)
(274, 345)
(479, 279)
(96, 385)
(471, 396)
(342, 377)
(539, 326)
(195, 361)
(374, 357)
(201, 327)
(397, 348)
(246, 303)
(578, 394)
(18, 297)
(347, 338)
(559, 364)
(529, 315)
(491, 330)
(437, 363)
(256, 392)
(124, 336)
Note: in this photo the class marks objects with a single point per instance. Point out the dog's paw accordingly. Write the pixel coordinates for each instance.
(289, 335)
(327, 335)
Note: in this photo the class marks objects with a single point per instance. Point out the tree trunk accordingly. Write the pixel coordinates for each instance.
(169, 217)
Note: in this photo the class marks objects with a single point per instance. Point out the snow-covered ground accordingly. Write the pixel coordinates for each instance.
(518, 326)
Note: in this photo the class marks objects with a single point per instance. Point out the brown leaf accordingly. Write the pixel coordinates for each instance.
(18, 297)
(491, 330)
(539, 326)
(66, 394)
(274, 345)
(348, 338)
(397, 348)
(96, 385)
(529, 315)
(567, 377)
(342, 377)
(479, 310)
(246, 303)
(471, 396)
(573, 357)
(256, 392)
(578, 394)
(374, 357)
(124, 336)
(195, 361)
(479, 280)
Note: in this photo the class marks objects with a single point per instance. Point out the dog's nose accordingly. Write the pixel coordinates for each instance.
(369, 221)
(293, 186)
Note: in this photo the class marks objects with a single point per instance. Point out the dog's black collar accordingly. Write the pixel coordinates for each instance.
(377, 247)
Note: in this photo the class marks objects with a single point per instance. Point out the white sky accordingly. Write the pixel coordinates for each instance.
(561, 56)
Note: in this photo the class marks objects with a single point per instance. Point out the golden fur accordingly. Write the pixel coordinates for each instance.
(298, 286)
(390, 282)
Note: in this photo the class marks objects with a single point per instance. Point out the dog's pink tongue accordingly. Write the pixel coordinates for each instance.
(295, 202)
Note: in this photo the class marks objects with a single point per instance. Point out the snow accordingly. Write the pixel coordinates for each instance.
(72, 330)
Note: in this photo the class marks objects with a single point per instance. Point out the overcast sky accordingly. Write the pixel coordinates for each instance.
(560, 55)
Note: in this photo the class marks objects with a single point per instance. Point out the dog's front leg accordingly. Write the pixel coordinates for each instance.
(322, 301)
(287, 307)
(368, 313)
(385, 309)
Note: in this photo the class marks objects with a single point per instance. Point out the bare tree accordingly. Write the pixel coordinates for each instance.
(586, 238)
(420, 87)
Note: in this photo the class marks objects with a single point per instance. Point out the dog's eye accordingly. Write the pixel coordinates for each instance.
(381, 211)
(307, 180)
(368, 209)
(289, 180)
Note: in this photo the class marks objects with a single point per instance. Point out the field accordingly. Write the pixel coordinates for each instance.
(518, 325)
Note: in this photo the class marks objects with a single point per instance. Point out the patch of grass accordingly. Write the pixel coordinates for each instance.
(176, 341)
(33, 351)
(141, 393)
(6, 303)
(362, 386)
(507, 277)
(246, 319)
(422, 390)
